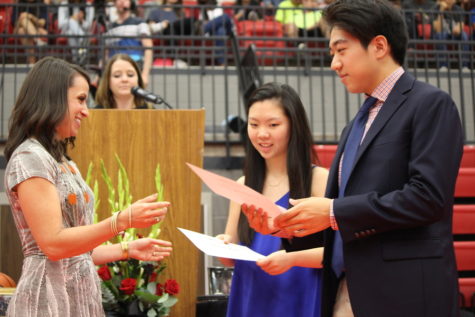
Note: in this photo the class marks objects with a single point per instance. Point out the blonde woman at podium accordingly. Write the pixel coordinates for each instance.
(120, 75)
(53, 207)
(278, 165)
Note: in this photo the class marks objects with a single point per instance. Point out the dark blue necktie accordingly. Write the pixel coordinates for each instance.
(349, 155)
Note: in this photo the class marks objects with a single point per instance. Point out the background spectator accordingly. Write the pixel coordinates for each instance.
(448, 25)
(131, 35)
(246, 13)
(417, 12)
(169, 19)
(215, 22)
(286, 14)
(30, 17)
(309, 21)
(469, 6)
(76, 20)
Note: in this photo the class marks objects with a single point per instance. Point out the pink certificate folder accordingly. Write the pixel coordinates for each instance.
(236, 192)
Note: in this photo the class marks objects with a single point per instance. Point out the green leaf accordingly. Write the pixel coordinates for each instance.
(146, 296)
(170, 301)
(90, 167)
(155, 231)
(163, 298)
(164, 311)
(125, 182)
(152, 313)
(120, 191)
(107, 295)
(151, 287)
(96, 195)
(110, 187)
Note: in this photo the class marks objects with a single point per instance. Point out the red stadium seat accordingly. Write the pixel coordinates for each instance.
(424, 30)
(468, 158)
(467, 291)
(464, 219)
(465, 185)
(269, 51)
(465, 255)
(325, 154)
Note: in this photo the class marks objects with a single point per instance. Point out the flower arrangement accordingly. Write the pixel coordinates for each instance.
(132, 287)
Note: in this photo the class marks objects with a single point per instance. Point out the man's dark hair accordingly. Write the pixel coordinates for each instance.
(366, 19)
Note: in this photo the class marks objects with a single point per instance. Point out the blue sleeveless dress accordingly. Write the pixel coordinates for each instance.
(295, 293)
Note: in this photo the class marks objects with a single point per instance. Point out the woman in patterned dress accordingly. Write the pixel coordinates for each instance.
(52, 205)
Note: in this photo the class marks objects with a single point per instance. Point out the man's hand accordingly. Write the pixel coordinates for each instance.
(309, 215)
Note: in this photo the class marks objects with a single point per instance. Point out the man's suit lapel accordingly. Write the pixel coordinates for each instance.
(395, 99)
(332, 186)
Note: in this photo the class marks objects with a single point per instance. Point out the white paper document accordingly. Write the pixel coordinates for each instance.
(216, 247)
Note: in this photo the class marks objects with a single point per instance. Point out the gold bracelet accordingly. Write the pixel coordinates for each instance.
(124, 245)
(114, 229)
(130, 216)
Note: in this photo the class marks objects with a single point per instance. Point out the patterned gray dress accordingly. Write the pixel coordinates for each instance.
(69, 287)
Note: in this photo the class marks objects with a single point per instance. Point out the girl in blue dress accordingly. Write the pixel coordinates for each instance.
(278, 165)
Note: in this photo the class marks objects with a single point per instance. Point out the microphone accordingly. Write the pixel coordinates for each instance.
(151, 97)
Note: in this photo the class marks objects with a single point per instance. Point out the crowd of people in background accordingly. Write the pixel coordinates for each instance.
(132, 28)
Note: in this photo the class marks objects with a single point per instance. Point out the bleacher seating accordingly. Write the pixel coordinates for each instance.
(467, 293)
(267, 35)
(468, 158)
(464, 228)
(465, 186)
(464, 219)
(465, 255)
(270, 49)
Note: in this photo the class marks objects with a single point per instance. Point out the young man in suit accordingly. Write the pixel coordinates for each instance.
(390, 190)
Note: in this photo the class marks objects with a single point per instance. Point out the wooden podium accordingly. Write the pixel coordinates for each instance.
(142, 139)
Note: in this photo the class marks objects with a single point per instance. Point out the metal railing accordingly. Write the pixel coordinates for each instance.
(187, 75)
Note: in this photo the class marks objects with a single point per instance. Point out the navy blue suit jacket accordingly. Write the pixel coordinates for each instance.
(396, 216)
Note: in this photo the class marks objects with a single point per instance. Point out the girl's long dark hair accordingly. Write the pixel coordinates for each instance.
(41, 105)
(299, 153)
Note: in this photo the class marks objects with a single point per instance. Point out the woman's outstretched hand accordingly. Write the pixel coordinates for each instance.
(148, 249)
(144, 213)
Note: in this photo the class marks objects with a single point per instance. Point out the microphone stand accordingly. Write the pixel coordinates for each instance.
(161, 100)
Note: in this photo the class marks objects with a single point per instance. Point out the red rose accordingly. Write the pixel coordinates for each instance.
(159, 290)
(172, 287)
(104, 273)
(128, 286)
(153, 277)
